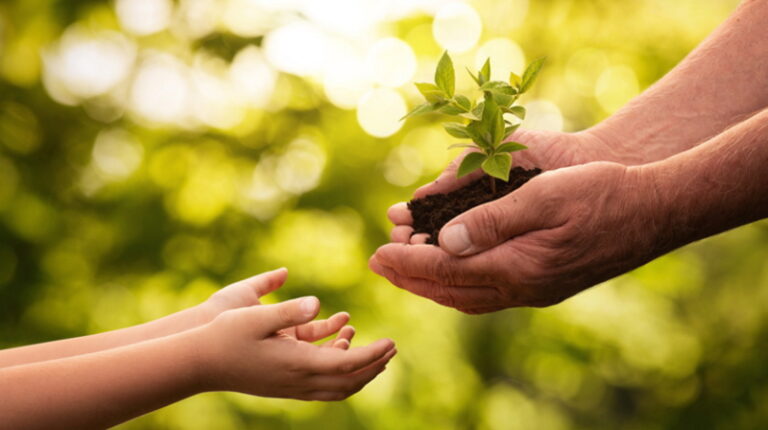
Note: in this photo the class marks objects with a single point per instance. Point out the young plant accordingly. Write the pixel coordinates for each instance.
(482, 122)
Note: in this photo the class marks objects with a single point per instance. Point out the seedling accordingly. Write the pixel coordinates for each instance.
(483, 121)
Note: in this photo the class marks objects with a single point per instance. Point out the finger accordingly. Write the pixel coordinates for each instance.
(433, 263)
(352, 382)
(268, 319)
(316, 330)
(471, 300)
(419, 239)
(341, 344)
(490, 224)
(264, 283)
(342, 340)
(401, 234)
(399, 214)
(346, 333)
(335, 361)
(447, 181)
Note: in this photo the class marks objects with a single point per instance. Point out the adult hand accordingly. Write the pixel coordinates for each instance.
(563, 231)
(547, 150)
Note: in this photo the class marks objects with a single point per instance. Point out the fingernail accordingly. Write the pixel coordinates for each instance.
(456, 239)
(309, 305)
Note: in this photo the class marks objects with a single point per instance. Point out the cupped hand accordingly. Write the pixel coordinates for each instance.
(248, 292)
(265, 350)
(547, 150)
(563, 231)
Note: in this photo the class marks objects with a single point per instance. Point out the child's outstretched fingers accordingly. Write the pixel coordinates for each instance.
(247, 291)
(316, 330)
(268, 319)
(334, 361)
(341, 386)
(343, 339)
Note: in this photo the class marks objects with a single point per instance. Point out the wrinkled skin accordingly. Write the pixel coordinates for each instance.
(566, 230)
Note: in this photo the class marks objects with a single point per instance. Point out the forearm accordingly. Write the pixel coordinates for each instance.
(720, 83)
(101, 389)
(714, 187)
(171, 324)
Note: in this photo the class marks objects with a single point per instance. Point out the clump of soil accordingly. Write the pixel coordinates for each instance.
(432, 212)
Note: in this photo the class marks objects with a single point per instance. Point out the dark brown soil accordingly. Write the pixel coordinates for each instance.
(430, 213)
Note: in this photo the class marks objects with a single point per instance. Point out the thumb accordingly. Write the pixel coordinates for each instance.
(485, 226)
(286, 314)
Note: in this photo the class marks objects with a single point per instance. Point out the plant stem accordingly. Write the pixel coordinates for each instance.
(493, 184)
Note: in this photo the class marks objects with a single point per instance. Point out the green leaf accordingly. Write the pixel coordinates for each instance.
(485, 73)
(498, 166)
(431, 92)
(492, 85)
(514, 79)
(463, 102)
(511, 147)
(456, 129)
(474, 78)
(445, 77)
(479, 136)
(463, 145)
(517, 111)
(450, 110)
(470, 163)
(503, 100)
(530, 74)
(419, 110)
(470, 116)
(498, 129)
(478, 110)
(510, 129)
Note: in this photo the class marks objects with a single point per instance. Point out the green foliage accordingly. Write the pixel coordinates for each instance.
(680, 343)
(486, 125)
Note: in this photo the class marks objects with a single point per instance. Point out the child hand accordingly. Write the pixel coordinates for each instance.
(247, 292)
(264, 350)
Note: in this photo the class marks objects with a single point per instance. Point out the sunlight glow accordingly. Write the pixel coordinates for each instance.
(615, 87)
(457, 27)
(506, 56)
(379, 112)
(252, 77)
(391, 62)
(298, 48)
(161, 89)
(543, 115)
(143, 17)
(85, 64)
(301, 167)
(116, 153)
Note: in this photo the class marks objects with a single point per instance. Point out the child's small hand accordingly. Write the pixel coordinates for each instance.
(248, 293)
(264, 350)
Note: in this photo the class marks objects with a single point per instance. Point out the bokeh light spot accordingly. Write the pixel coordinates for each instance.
(391, 62)
(543, 115)
(615, 87)
(143, 17)
(116, 153)
(506, 56)
(379, 112)
(457, 27)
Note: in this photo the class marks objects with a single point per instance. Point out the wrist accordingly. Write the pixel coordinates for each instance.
(195, 355)
(655, 209)
(612, 145)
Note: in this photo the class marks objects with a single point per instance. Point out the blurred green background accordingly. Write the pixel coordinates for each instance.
(153, 151)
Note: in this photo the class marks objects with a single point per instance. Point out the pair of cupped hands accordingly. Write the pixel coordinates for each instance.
(563, 231)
